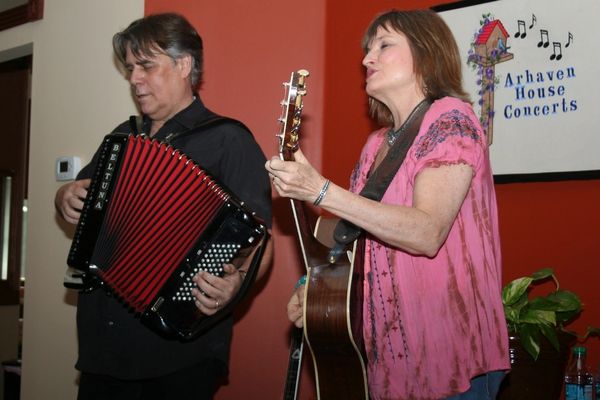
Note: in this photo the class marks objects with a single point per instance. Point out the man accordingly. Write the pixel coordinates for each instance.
(119, 358)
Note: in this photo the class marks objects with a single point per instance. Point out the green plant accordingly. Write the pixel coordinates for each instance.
(529, 319)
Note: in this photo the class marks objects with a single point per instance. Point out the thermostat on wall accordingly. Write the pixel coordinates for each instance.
(67, 168)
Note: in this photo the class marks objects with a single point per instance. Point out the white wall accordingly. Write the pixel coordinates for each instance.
(77, 97)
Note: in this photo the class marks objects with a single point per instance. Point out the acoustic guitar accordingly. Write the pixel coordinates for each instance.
(333, 293)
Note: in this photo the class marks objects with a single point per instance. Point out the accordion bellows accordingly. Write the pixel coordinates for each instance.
(151, 220)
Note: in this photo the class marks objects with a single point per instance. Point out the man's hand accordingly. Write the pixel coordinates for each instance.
(214, 292)
(69, 199)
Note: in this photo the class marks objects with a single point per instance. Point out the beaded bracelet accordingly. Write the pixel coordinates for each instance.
(300, 282)
(322, 193)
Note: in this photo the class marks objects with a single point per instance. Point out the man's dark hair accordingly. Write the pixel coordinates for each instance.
(170, 34)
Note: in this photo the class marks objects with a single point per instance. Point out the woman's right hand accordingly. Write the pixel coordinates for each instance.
(295, 179)
(69, 199)
(295, 307)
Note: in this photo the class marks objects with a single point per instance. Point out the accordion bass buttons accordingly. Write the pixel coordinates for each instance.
(210, 260)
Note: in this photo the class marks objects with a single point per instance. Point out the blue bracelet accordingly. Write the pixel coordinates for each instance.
(300, 282)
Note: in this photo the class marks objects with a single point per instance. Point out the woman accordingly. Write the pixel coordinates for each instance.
(434, 325)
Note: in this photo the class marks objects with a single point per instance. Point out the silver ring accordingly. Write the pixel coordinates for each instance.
(216, 303)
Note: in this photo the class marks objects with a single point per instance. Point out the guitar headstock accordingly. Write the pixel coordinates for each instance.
(291, 112)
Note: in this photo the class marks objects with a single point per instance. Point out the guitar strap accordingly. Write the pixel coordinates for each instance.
(346, 232)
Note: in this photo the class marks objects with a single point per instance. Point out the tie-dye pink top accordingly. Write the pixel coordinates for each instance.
(432, 324)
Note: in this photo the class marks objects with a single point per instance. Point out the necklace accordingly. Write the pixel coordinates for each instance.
(392, 135)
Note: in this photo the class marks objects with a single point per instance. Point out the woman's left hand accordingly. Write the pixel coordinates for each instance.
(295, 179)
(213, 292)
(295, 307)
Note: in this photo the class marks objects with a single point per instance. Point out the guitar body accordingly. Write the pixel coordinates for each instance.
(333, 328)
(333, 292)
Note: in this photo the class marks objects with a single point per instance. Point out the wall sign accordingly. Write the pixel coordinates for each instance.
(532, 69)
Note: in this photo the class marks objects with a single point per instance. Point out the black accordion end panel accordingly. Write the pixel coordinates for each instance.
(151, 220)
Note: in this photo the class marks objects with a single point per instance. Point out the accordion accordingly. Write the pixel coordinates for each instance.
(151, 220)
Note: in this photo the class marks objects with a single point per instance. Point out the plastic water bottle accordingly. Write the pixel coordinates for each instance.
(597, 379)
(579, 381)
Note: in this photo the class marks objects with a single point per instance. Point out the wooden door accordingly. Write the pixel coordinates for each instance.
(14, 152)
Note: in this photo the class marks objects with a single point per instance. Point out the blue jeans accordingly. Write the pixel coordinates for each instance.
(483, 387)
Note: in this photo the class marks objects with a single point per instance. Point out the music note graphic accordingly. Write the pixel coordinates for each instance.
(570, 39)
(558, 56)
(533, 21)
(544, 41)
(521, 26)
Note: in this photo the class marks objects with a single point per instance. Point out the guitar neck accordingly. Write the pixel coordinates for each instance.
(292, 381)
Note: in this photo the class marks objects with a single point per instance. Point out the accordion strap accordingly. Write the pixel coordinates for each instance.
(346, 232)
(211, 122)
(136, 123)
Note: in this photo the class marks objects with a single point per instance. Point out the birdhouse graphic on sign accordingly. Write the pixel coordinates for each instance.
(489, 48)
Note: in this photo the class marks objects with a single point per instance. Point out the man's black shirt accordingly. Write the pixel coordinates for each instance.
(112, 341)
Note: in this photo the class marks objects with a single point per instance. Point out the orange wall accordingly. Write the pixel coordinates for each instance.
(250, 48)
(555, 224)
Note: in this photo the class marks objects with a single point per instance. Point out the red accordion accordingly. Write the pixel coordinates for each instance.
(151, 220)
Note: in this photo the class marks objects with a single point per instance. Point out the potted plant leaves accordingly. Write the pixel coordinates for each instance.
(539, 342)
